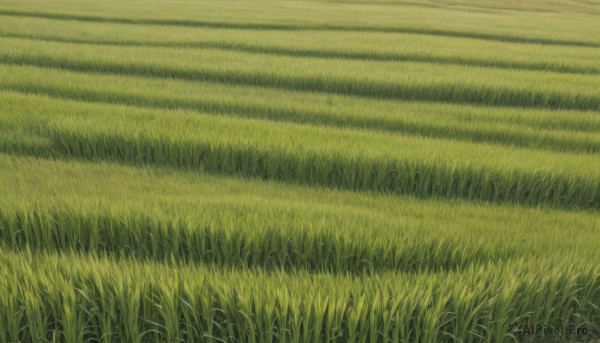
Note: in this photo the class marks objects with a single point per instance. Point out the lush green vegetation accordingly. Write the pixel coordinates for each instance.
(146, 254)
(540, 129)
(140, 302)
(387, 80)
(295, 171)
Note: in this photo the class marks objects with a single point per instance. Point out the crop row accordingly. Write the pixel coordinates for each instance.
(320, 44)
(72, 298)
(357, 160)
(387, 80)
(110, 209)
(279, 240)
(270, 15)
(558, 131)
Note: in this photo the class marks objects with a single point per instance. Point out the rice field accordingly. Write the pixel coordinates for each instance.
(299, 171)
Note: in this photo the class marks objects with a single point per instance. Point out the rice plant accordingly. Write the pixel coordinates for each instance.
(153, 302)
(295, 171)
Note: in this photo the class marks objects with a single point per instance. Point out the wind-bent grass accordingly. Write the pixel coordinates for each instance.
(560, 28)
(105, 300)
(161, 215)
(293, 171)
(322, 44)
(347, 159)
(564, 131)
(532, 6)
(388, 80)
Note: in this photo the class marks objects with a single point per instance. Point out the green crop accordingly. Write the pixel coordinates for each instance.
(540, 129)
(387, 80)
(353, 45)
(299, 171)
(347, 159)
(99, 299)
(197, 218)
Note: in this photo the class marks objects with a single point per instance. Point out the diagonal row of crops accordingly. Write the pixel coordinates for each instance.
(539, 129)
(386, 80)
(357, 160)
(178, 232)
(321, 44)
(299, 171)
(200, 218)
(156, 299)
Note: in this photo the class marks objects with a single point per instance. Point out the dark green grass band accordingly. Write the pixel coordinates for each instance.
(304, 27)
(450, 93)
(330, 54)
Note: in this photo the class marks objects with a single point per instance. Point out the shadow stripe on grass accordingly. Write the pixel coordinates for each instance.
(328, 54)
(448, 93)
(320, 248)
(285, 114)
(301, 27)
(424, 179)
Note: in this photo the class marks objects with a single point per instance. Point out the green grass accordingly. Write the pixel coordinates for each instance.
(540, 129)
(299, 171)
(561, 25)
(336, 158)
(162, 215)
(105, 300)
(324, 44)
(387, 80)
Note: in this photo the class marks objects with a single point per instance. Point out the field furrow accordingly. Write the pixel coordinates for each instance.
(386, 80)
(562, 132)
(347, 159)
(278, 25)
(328, 44)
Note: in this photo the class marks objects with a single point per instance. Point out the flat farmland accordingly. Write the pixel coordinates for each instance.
(299, 171)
